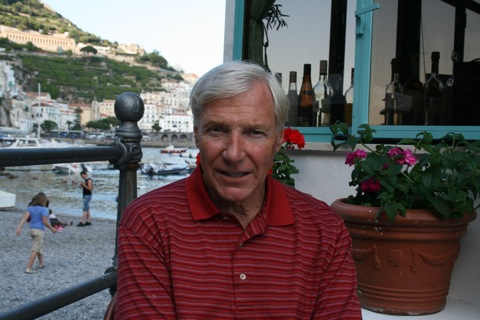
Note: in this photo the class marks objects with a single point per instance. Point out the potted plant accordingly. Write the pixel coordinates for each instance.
(412, 205)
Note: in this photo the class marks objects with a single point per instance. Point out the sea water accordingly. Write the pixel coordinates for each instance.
(65, 193)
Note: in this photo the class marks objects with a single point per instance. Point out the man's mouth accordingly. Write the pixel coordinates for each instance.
(235, 174)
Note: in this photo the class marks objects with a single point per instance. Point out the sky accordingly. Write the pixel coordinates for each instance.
(188, 33)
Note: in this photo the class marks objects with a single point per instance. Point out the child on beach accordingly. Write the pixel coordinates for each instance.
(38, 214)
(56, 222)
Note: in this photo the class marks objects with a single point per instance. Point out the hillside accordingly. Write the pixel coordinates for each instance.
(34, 15)
(70, 78)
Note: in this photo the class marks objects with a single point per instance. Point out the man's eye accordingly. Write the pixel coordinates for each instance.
(216, 129)
(256, 133)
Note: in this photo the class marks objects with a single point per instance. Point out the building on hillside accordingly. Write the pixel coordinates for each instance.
(190, 78)
(56, 42)
(104, 51)
(21, 115)
(131, 48)
(87, 114)
(176, 122)
(39, 96)
(150, 117)
(106, 108)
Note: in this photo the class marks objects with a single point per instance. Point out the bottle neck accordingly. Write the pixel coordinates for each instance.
(434, 67)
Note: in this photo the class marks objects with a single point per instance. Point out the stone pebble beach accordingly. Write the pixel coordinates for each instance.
(72, 256)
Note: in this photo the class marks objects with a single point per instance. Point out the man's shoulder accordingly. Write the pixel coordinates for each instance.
(156, 207)
(298, 197)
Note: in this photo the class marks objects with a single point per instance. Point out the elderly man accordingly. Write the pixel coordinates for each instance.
(230, 242)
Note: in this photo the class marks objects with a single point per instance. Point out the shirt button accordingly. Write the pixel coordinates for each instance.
(226, 218)
(243, 276)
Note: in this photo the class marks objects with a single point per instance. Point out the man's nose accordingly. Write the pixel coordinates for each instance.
(234, 148)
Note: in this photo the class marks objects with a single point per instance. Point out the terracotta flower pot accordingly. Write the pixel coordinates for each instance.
(403, 267)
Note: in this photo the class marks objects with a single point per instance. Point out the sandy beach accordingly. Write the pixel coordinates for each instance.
(72, 256)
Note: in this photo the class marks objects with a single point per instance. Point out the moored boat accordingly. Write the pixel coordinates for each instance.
(71, 168)
(170, 149)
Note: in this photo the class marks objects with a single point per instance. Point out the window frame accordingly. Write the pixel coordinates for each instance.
(365, 9)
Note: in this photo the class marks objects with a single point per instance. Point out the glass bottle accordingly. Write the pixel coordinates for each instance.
(292, 97)
(434, 94)
(323, 91)
(393, 90)
(305, 99)
(413, 89)
(349, 102)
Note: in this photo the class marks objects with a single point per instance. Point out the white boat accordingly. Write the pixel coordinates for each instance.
(71, 168)
(165, 169)
(170, 149)
(31, 142)
(7, 199)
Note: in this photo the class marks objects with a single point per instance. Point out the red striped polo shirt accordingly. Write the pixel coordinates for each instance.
(179, 257)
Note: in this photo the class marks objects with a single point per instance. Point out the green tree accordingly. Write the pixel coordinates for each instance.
(156, 127)
(99, 125)
(89, 50)
(48, 126)
(77, 123)
(113, 121)
(69, 123)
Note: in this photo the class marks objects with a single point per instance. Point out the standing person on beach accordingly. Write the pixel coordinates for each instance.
(229, 241)
(87, 187)
(38, 214)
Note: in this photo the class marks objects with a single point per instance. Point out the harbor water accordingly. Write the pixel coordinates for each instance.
(64, 190)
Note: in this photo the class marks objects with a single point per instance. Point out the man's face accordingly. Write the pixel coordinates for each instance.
(238, 140)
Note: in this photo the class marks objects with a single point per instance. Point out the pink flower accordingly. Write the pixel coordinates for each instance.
(351, 156)
(370, 186)
(409, 157)
(402, 156)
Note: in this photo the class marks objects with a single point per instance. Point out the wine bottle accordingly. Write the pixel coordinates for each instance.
(349, 102)
(413, 88)
(392, 94)
(323, 91)
(305, 99)
(434, 94)
(292, 97)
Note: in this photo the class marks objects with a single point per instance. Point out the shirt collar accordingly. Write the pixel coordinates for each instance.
(277, 207)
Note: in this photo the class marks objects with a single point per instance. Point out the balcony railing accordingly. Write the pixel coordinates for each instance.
(124, 153)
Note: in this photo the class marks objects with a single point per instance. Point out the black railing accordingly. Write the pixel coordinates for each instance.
(124, 153)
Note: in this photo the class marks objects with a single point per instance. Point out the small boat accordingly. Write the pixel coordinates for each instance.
(31, 142)
(165, 169)
(190, 153)
(71, 168)
(172, 170)
(170, 149)
(7, 199)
